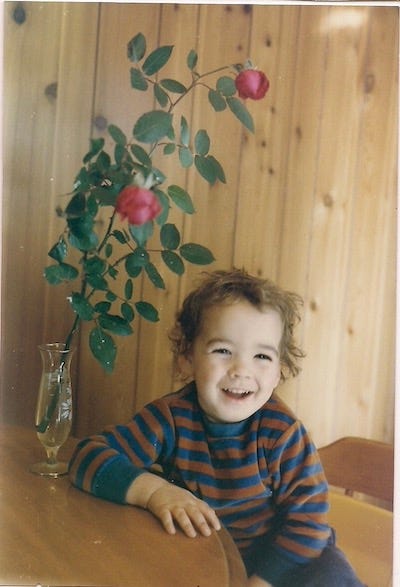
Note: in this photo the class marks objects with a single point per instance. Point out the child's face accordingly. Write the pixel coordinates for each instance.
(235, 360)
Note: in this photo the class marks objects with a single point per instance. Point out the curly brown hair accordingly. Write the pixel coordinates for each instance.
(221, 287)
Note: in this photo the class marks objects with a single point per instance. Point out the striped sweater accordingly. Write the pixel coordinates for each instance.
(262, 475)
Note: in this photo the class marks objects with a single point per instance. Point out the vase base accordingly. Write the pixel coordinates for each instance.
(46, 470)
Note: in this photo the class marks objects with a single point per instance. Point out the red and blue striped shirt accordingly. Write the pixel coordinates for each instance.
(261, 475)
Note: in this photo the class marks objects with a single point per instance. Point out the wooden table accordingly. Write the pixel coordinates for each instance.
(53, 534)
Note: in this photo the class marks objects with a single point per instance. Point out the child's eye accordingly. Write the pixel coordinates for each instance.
(264, 357)
(222, 351)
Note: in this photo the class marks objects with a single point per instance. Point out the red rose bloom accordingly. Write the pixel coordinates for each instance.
(251, 83)
(137, 204)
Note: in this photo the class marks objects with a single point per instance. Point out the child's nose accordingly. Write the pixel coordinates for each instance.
(239, 368)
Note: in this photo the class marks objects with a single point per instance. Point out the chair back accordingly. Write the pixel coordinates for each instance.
(364, 531)
(360, 465)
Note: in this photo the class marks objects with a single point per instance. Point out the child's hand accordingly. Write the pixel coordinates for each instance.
(174, 505)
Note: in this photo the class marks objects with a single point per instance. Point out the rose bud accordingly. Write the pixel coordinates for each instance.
(137, 204)
(251, 83)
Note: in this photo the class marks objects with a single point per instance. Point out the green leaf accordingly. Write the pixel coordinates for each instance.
(102, 307)
(157, 59)
(96, 146)
(119, 235)
(154, 276)
(103, 348)
(158, 175)
(94, 265)
(220, 173)
(97, 281)
(81, 225)
(226, 85)
(181, 198)
(202, 142)
(206, 168)
(161, 96)
(111, 296)
(82, 180)
(216, 100)
(56, 274)
(81, 306)
(185, 157)
(128, 289)
(85, 242)
(119, 154)
(138, 81)
(112, 272)
(152, 126)
(115, 324)
(164, 201)
(185, 132)
(191, 59)
(127, 312)
(76, 206)
(141, 155)
(108, 251)
(170, 237)
(142, 233)
(136, 48)
(91, 205)
(106, 196)
(169, 149)
(103, 162)
(196, 254)
(241, 113)
(173, 86)
(117, 135)
(58, 252)
(173, 262)
(139, 258)
(147, 311)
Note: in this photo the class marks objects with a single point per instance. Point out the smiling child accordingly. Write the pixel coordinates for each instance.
(230, 450)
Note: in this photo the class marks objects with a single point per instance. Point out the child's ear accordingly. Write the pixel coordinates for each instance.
(185, 366)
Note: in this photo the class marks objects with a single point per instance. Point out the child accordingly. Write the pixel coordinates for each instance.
(231, 452)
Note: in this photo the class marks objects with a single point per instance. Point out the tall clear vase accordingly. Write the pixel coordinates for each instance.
(53, 418)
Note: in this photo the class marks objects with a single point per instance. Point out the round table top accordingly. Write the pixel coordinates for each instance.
(53, 534)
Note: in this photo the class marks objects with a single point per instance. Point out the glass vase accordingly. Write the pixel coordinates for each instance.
(53, 419)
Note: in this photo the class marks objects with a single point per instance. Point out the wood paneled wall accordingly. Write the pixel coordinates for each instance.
(310, 199)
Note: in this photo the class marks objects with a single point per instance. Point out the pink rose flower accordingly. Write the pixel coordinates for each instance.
(251, 83)
(137, 204)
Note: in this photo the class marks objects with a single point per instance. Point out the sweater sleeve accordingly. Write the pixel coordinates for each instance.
(106, 464)
(301, 499)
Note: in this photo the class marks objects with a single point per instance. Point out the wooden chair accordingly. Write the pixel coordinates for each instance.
(357, 470)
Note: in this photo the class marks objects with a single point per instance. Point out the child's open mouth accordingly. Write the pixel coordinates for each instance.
(237, 394)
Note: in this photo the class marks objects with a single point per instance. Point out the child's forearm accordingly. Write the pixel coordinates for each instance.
(142, 488)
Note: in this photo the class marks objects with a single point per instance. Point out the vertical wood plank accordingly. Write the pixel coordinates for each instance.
(366, 380)
(31, 54)
(264, 157)
(215, 222)
(331, 219)
(302, 136)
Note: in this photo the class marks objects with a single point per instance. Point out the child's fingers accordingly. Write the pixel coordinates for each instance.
(167, 521)
(197, 517)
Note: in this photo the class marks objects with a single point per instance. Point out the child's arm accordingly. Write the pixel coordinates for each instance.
(172, 505)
